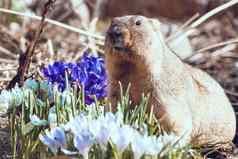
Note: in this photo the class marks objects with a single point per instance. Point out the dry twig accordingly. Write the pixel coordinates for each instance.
(25, 59)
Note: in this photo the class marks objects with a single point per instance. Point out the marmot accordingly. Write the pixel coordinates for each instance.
(186, 100)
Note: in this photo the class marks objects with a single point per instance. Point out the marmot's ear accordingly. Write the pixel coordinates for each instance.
(155, 24)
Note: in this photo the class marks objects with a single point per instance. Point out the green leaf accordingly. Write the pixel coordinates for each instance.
(28, 128)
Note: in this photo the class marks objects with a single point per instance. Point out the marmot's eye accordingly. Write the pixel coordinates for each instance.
(138, 22)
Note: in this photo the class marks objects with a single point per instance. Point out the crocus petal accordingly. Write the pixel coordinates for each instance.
(138, 146)
(83, 143)
(123, 137)
(59, 136)
(54, 139)
(48, 141)
(100, 132)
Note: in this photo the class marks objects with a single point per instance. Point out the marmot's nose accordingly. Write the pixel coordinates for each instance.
(115, 32)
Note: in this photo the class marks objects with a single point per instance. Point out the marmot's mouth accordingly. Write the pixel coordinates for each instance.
(121, 49)
(118, 45)
(117, 42)
(119, 38)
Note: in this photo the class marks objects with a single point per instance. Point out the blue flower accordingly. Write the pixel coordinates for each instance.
(83, 143)
(100, 132)
(77, 125)
(122, 137)
(138, 145)
(89, 73)
(54, 139)
(142, 144)
(55, 73)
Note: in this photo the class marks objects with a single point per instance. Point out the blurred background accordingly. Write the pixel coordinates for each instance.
(212, 46)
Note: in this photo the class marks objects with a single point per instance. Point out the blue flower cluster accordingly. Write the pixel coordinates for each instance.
(89, 73)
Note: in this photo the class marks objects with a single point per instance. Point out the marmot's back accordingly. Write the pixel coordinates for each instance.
(204, 80)
(212, 112)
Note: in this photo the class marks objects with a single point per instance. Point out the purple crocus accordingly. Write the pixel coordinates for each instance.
(89, 73)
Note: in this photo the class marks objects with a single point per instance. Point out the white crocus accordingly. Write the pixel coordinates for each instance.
(122, 137)
(5, 101)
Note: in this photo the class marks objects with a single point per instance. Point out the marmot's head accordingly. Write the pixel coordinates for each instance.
(133, 36)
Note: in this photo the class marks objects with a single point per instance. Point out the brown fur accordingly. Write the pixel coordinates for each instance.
(186, 100)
